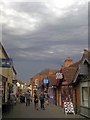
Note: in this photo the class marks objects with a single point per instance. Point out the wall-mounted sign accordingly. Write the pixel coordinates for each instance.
(59, 75)
(46, 81)
(6, 62)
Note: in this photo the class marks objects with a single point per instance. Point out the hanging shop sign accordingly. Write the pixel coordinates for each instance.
(46, 81)
(59, 75)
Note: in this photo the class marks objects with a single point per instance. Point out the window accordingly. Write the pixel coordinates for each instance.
(85, 96)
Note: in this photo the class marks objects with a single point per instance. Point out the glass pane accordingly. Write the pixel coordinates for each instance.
(85, 96)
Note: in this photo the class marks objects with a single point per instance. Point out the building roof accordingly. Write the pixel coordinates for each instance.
(14, 69)
(85, 57)
(71, 72)
(52, 80)
(50, 73)
(76, 64)
(5, 53)
(47, 72)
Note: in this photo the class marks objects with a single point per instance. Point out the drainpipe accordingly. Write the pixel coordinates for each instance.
(88, 57)
(88, 91)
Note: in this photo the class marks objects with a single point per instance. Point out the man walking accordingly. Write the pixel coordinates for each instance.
(27, 98)
(42, 101)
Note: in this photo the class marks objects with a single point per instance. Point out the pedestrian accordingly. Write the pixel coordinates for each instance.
(47, 99)
(27, 98)
(17, 96)
(36, 101)
(42, 96)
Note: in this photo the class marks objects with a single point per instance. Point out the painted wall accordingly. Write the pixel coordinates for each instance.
(2, 55)
(6, 72)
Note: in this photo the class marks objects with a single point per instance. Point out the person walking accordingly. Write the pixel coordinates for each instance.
(27, 98)
(36, 101)
(46, 98)
(42, 101)
(17, 96)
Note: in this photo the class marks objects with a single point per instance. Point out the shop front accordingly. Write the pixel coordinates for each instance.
(4, 89)
(66, 93)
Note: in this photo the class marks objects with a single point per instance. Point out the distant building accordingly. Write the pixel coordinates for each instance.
(37, 80)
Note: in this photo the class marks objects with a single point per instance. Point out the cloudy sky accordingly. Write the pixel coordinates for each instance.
(40, 34)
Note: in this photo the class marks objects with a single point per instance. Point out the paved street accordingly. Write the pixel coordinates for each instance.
(51, 111)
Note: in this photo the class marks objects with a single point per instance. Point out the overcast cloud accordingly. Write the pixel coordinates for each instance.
(42, 34)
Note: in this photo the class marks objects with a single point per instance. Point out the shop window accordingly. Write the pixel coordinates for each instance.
(85, 96)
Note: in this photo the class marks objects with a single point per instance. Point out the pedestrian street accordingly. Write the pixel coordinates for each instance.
(51, 111)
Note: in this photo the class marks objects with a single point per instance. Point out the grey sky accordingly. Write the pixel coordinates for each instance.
(42, 34)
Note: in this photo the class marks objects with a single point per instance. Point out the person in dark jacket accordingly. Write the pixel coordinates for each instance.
(36, 101)
(41, 98)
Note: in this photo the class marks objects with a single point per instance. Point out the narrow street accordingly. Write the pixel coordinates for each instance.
(51, 111)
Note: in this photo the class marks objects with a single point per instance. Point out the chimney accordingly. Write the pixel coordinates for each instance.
(85, 51)
(68, 62)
